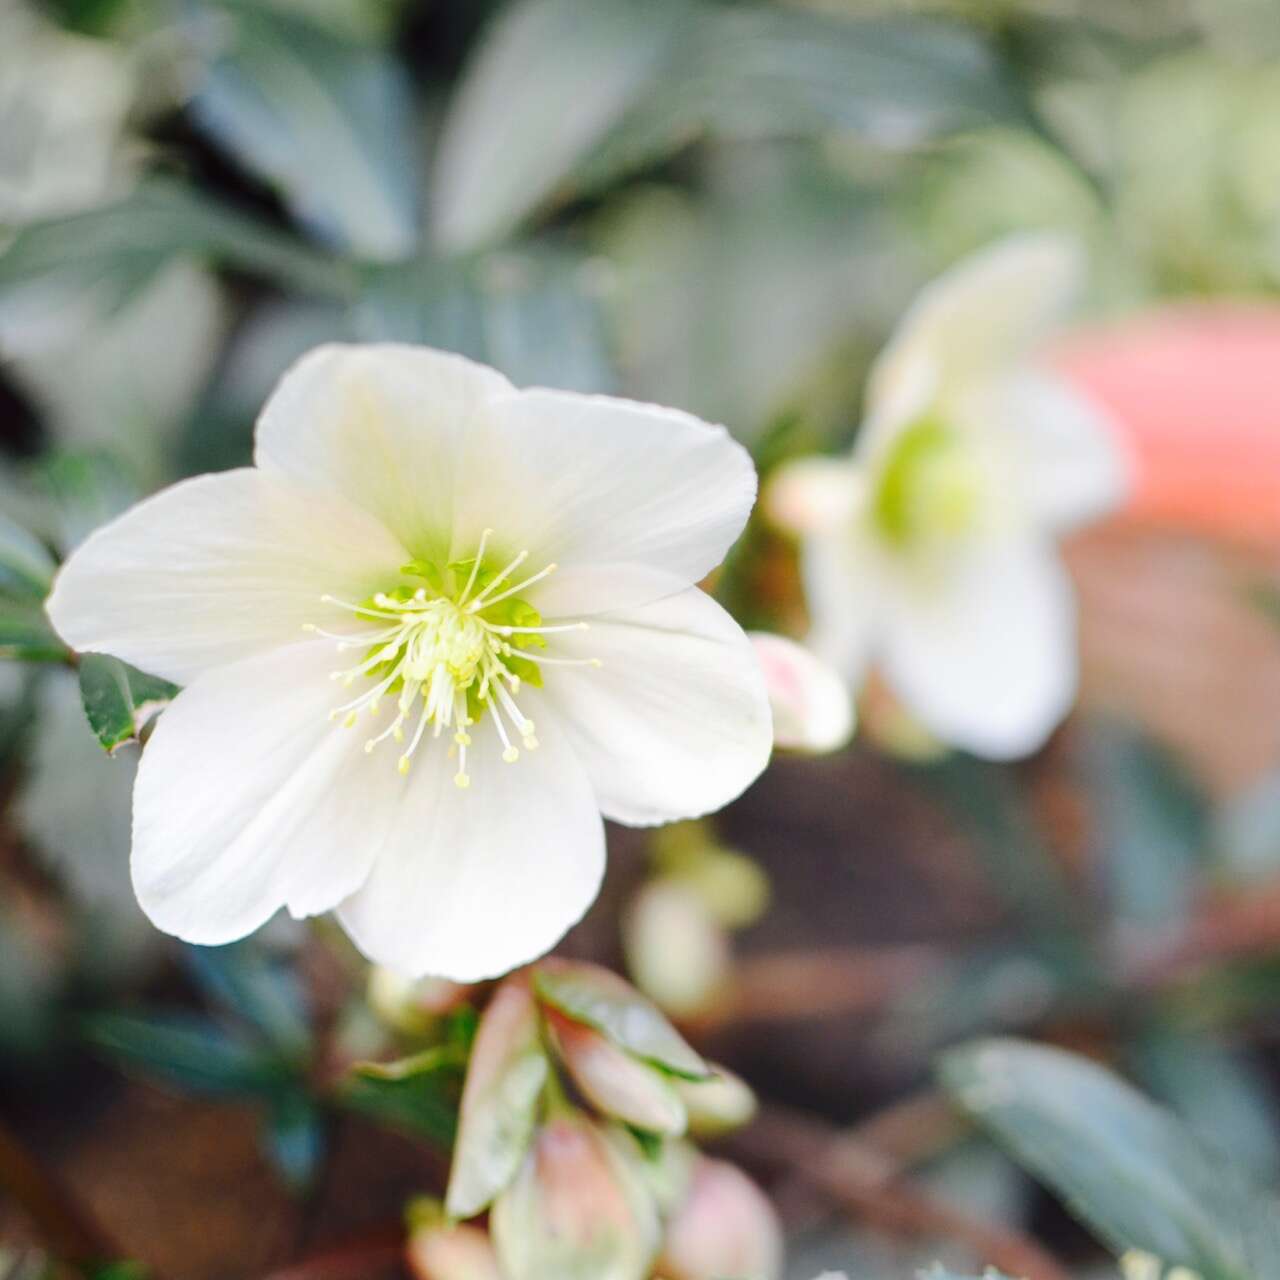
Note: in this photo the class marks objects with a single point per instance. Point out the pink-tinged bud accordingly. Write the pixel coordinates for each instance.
(617, 1083)
(812, 708)
(718, 1105)
(576, 1210)
(452, 1253)
(726, 1227)
(594, 997)
(814, 495)
(505, 1079)
(677, 952)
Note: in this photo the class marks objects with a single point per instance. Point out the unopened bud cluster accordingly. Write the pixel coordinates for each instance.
(572, 1135)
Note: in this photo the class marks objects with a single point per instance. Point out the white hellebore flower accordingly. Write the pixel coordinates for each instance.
(931, 550)
(437, 630)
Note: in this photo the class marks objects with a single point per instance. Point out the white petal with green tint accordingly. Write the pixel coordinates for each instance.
(216, 569)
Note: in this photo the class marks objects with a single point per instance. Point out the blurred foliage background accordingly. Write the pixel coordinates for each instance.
(723, 207)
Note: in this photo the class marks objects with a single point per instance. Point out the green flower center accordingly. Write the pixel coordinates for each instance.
(447, 652)
(931, 487)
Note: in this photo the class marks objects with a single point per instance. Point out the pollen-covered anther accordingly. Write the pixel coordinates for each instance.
(448, 653)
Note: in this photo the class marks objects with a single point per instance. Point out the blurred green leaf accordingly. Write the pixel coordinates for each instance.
(26, 565)
(25, 633)
(1152, 824)
(1217, 1091)
(548, 81)
(594, 996)
(294, 1139)
(191, 1052)
(1018, 863)
(115, 248)
(615, 87)
(419, 1097)
(249, 983)
(533, 313)
(328, 122)
(119, 699)
(1126, 1167)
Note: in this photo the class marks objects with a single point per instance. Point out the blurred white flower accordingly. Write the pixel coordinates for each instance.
(930, 551)
(812, 709)
(498, 581)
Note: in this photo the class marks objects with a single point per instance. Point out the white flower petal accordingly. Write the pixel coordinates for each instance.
(987, 660)
(843, 594)
(249, 799)
(1073, 468)
(382, 425)
(983, 315)
(474, 882)
(590, 482)
(812, 709)
(675, 723)
(215, 569)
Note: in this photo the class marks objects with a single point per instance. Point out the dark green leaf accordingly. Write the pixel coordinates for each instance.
(597, 998)
(119, 700)
(421, 1099)
(246, 981)
(294, 1139)
(1127, 1168)
(328, 122)
(193, 1053)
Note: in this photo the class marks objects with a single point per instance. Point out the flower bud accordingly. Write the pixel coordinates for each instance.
(813, 495)
(812, 708)
(459, 1252)
(717, 1105)
(726, 1227)
(677, 953)
(614, 1081)
(411, 1005)
(733, 887)
(575, 1211)
(505, 1079)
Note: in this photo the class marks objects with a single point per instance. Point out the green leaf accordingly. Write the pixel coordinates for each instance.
(114, 248)
(193, 1053)
(1152, 824)
(119, 700)
(592, 995)
(1126, 1167)
(26, 565)
(505, 1079)
(329, 123)
(419, 1097)
(25, 633)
